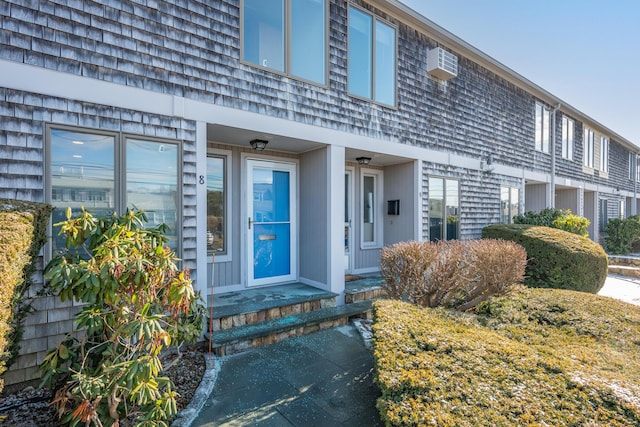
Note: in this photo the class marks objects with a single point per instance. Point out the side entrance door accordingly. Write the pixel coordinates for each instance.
(272, 235)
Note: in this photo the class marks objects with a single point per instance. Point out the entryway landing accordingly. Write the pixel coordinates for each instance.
(363, 287)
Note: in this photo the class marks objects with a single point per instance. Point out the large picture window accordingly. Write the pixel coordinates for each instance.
(543, 128)
(444, 209)
(287, 36)
(372, 57)
(109, 172)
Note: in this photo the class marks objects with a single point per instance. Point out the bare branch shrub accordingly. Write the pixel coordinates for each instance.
(453, 274)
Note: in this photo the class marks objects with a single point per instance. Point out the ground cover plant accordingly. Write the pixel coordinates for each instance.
(556, 258)
(532, 357)
(137, 302)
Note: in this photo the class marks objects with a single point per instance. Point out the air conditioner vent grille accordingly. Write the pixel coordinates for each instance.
(442, 64)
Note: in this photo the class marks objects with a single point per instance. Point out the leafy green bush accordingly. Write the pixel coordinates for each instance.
(16, 234)
(622, 234)
(38, 214)
(533, 357)
(556, 258)
(137, 302)
(556, 218)
(455, 274)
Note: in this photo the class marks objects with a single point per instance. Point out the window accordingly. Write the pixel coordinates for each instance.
(372, 57)
(588, 147)
(216, 204)
(543, 128)
(638, 168)
(286, 36)
(604, 154)
(106, 172)
(631, 163)
(622, 210)
(371, 185)
(567, 138)
(604, 213)
(509, 204)
(444, 209)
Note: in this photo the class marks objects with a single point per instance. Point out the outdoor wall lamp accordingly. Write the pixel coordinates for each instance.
(363, 161)
(259, 144)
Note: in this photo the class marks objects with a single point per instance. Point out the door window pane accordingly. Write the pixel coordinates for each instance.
(263, 33)
(308, 40)
(369, 204)
(360, 53)
(82, 174)
(152, 183)
(216, 209)
(385, 63)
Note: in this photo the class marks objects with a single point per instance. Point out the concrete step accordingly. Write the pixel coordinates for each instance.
(629, 261)
(246, 337)
(625, 270)
(364, 288)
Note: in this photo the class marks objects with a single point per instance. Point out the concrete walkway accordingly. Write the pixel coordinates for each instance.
(322, 379)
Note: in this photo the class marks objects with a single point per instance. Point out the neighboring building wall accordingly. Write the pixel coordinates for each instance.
(23, 117)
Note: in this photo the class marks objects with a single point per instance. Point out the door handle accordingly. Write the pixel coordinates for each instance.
(249, 223)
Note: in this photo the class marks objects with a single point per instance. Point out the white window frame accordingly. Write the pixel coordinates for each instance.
(542, 128)
(588, 144)
(511, 190)
(604, 154)
(378, 213)
(226, 155)
(568, 137)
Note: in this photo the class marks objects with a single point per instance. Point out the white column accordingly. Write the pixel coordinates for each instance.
(201, 282)
(335, 214)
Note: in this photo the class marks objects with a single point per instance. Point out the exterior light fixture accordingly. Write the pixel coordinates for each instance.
(363, 161)
(259, 144)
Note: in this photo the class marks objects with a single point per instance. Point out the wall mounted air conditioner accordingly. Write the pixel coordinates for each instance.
(441, 64)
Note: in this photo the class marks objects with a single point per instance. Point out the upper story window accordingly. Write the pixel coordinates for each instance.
(372, 57)
(631, 162)
(543, 127)
(588, 147)
(604, 154)
(568, 127)
(286, 36)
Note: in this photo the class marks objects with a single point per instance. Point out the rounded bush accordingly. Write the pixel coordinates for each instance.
(556, 258)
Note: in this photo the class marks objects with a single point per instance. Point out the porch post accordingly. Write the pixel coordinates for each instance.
(335, 214)
(201, 211)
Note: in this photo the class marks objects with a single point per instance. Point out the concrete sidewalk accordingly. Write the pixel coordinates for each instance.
(322, 379)
(623, 288)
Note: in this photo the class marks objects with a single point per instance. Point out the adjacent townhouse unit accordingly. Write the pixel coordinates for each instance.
(292, 139)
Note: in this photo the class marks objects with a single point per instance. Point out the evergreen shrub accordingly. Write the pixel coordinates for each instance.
(622, 234)
(556, 218)
(556, 258)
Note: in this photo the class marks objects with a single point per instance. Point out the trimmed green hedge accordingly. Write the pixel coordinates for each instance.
(534, 357)
(556, 258)
(16, 233)
(38, 215)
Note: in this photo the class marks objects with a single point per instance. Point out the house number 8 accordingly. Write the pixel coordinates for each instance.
(201, 179)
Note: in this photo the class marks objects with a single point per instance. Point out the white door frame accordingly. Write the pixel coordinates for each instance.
(248, 221)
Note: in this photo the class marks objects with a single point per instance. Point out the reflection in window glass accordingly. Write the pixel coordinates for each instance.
(504, 205)
(82, 174)
(385, 63)
(360, 53)
(436, 208)
(152, 183)
(216, 211)
(452, 203)
(369, 203)
(263, 33)
(308, 40)
(515, 203)
(444, 209)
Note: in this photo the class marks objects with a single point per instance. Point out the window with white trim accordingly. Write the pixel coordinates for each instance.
(588, 147)
(509, 204)
(372, 57)
(543, 128)
(107, 172)
(604, 154)
(286, 36)
(632, 157)
(371, 208)
(444, 209)
(217, 202)
(568, 128)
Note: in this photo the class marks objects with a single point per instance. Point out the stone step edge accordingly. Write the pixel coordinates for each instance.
(220, 312)
(274, 326)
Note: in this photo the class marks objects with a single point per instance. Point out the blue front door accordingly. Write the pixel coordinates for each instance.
(271, 207)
